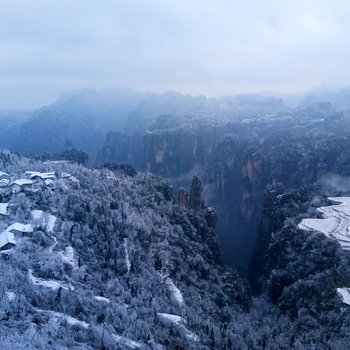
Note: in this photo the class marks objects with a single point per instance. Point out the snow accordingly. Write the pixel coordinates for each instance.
(335, 223)
(3, 174)
(127, 260)
(177, 320)
(70, 320)
(10, 296)
(127, 341)
(68, 257)
(171, 317)
(4, 182)
(106, 300)
(26, 228)
(44, 220)
(53, 245)
(3, 208)
(51, 284)
(177, 295)
(43, 176)
(57, 162)
(6, 237)
(345, 294)
(22, 182)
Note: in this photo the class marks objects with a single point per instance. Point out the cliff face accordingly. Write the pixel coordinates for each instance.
(236, 159)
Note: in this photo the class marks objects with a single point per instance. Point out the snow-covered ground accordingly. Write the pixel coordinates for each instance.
(335, 224)
(99, 298)
(127, 259)
(70, 320)
(127, 342)
(177, 320)
(52, 284)
(10, 296)
(68, 256)
(42, 219)
(177, 295)
(345, 294)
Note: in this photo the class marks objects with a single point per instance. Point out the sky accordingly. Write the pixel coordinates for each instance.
(214, 48)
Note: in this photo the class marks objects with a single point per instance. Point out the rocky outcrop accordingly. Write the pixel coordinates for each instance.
(183, 198)
(196, 194)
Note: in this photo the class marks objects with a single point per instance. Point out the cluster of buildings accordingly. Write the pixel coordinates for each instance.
(32, 181)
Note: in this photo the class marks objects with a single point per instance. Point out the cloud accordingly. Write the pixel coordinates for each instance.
(50, 47)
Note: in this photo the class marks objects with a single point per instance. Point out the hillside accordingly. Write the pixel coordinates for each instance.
(102, 260)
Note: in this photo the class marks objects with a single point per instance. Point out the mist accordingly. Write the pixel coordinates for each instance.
(198, 47)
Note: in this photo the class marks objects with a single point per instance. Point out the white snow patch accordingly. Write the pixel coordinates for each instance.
(99, 298)
(174, 291)
(177, 320)
(68, 257)
(10, 296)
(345, 294)
(18, 227)
(3, 208)
(126, 341)
(22, 182)
(53, 245)
(127, 259)
(70, 320)
(335, 225)
(7, 237)
(51, 284)
(45, 220)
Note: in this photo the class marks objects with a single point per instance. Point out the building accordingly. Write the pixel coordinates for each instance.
(7, 240)
(3, 209)
(21, 229)
(21, 185)
(36, 175)
(5, 179)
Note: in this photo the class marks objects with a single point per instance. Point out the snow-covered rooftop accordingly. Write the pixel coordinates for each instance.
(22, 182)
(28, 228)
(6, 237)
(44, 176)
(3, 208)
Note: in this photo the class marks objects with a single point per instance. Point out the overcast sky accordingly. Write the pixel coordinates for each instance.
(212, 47)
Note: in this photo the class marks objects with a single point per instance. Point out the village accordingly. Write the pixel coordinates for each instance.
(32, 181)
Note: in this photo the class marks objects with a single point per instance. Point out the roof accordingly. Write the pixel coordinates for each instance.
(22, 182)
(3, 174)
(3, 208)
(6, 237)
(20, 227)
(44, 176)
(4, 182)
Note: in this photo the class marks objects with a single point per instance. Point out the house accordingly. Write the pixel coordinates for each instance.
(21, 229)
(4, 182)
(70, 177)
(3, 209)
(5, 179)
(36, 175)
(21, 185)
(4, 176)
(7, 240)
